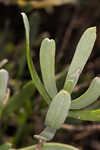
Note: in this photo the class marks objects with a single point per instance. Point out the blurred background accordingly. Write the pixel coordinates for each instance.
(65, 21)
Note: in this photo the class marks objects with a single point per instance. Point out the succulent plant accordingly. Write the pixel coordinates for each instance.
(60, 104)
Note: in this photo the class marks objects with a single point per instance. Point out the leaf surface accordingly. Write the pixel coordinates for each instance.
(89, 96)
(36, 80)
(58, 110)
(82, 53)
(47, 63)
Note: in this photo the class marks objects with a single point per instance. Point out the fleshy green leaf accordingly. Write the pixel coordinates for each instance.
(52, 146)
(3, 84)
(36, 80)
(19, 99)
(47, 63)
(81, 56)
(58, 110)
(92, 115)
(89, 96)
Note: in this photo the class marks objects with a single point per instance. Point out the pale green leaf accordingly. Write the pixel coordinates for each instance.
(89, 96)
(58, 110)
(36, 80)
(81, 56)
(47, 63)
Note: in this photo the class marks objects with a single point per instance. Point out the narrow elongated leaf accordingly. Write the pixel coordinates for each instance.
(52, 146)
(47, 63)
(81, 56)
(92, 115)
(3, 84)
(19, 99)
(36, 80)
(58, 110)
(89, 96)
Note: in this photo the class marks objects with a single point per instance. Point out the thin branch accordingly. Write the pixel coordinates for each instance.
(81, 127)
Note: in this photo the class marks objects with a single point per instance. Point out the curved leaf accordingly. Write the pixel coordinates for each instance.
(47, 63)
(89, 96)
(36, 80)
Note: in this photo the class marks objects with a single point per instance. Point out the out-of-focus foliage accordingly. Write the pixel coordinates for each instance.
(40, 4)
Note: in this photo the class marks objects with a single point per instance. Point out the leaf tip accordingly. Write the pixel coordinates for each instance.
(92, 30)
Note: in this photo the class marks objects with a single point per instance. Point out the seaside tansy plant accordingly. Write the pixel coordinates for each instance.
(60, 103)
